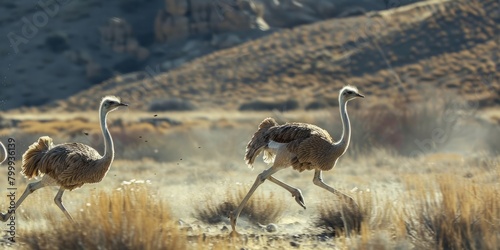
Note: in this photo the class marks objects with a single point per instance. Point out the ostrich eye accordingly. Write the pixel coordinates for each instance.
(349, 92)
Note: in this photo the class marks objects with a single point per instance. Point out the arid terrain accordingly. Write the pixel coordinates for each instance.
(423, 163)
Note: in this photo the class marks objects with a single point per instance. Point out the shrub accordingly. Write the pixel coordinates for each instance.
(260, 208)
(322, 103)
(173, 104)
(57, 42)
(260, 105)
(339, 216)
(316, 105)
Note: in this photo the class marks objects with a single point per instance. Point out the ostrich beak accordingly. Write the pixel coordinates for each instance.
(360, 95)
(123, 104)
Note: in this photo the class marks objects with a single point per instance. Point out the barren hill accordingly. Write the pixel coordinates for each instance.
(55, 49)
(434, 44)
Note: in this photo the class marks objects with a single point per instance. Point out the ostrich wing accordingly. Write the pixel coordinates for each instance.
(72, 164)
(309, 144)
(296, 132)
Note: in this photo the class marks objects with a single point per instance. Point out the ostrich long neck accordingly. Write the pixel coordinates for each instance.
(346, 128)
(109, 151)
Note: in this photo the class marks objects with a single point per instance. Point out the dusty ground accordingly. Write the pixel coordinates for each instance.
(207, 162)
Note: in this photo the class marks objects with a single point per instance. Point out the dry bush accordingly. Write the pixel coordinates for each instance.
(174, 104)
(130, 217)
(260, 209)
(410, 129)
(262, 105)
(338, 216)
(457, 214)
(322, 103)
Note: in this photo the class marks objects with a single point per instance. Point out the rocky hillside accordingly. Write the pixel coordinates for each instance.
(54, 49)
(402, 53)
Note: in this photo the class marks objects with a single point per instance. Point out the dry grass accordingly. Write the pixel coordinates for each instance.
(446, 212)
(71, 127)
(455, 210)
(455, 213)
(340, 218)
(130, 217)
(261, 208)
(441, 212)
(374, 212)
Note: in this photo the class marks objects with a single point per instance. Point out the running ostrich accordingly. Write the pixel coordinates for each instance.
(300, 145)
(68, 165)
(3, 153)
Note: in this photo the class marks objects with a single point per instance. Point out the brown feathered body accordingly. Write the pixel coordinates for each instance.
(70, 165)
(300, 145)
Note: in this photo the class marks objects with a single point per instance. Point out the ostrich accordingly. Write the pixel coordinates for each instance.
(300, 145)
(68, 165)
(3, 153)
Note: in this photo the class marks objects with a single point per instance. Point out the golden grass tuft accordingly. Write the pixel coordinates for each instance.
(456, 213)
(338, 216)
(261, 208)
(130, 217)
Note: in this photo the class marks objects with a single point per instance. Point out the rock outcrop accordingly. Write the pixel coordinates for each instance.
(117, 34)
(179, 20)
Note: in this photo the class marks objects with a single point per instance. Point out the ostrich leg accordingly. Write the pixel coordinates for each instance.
(318, 181)
(294, 191)
(58, 201)
(233, 216)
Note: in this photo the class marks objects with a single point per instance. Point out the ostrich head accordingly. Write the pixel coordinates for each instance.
(348, 93)
(110, 103)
